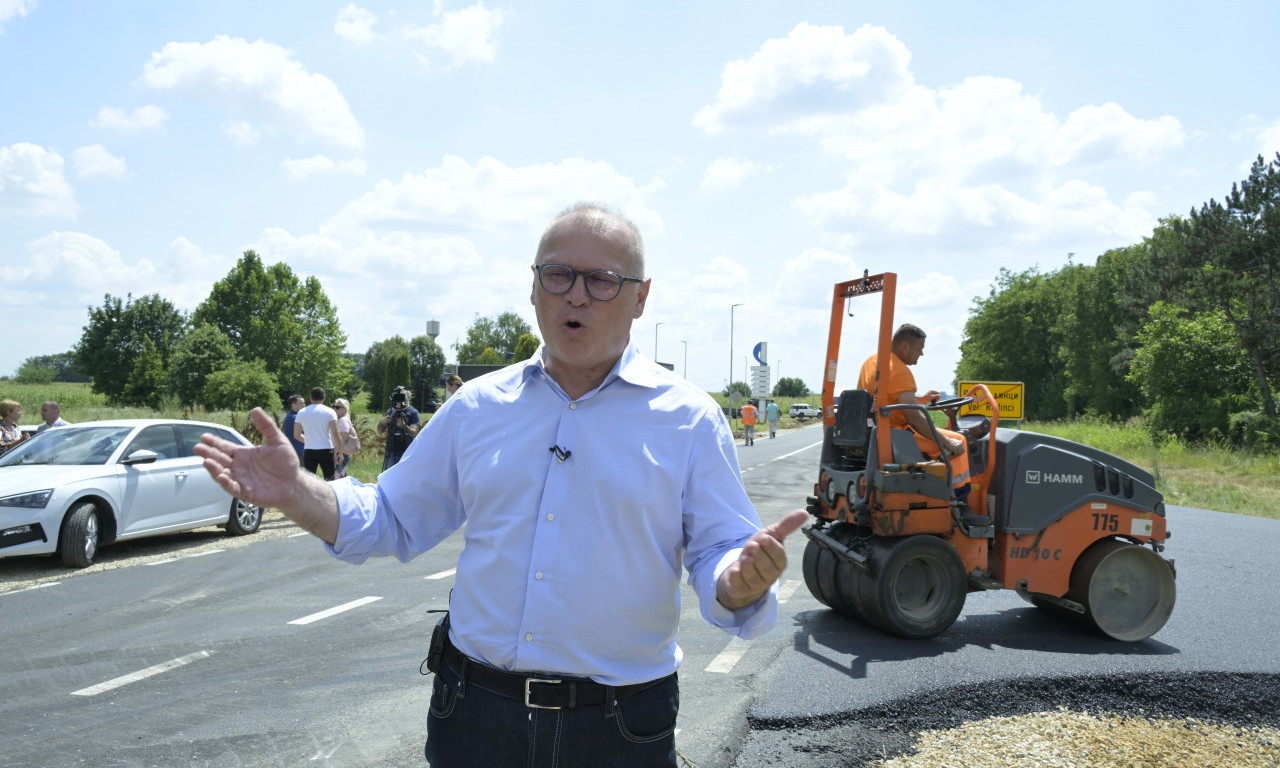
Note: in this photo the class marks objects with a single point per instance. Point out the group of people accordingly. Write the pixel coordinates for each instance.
(326, 439)
(11, 435)
(751, 416)
(585, 481)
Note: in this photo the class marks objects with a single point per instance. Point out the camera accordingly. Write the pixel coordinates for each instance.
(399, 398)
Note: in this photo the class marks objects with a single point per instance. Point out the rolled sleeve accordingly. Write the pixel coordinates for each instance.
(747, 623)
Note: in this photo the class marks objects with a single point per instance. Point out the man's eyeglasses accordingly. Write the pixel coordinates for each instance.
(602, 285)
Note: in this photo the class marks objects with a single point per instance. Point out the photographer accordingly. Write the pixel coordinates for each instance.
(400, 424)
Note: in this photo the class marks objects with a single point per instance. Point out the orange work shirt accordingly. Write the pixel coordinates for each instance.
(898, 380)
(748, 414)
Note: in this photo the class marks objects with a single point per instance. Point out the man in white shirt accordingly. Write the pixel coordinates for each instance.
(51, 412)
(588, 478)
(317, 427)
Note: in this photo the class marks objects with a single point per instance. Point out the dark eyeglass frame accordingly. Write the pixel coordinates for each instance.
(586, 280)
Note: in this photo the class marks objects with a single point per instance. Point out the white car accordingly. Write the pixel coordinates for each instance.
(72, 489)
(803, 411)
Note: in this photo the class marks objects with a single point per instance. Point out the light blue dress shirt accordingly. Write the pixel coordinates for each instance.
(570, 567)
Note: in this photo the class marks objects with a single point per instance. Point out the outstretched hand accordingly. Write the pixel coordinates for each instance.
(762, 561)
(265, 475)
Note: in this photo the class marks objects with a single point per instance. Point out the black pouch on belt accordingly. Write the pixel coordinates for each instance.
(439, 637)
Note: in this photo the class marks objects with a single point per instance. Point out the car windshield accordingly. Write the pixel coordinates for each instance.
(65, 445)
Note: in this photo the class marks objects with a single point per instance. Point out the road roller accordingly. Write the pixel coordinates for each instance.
(896, 544)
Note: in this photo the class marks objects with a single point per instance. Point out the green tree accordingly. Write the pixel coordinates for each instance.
(1011, 336)
(790, 388)
(1097, 331)
(426, 366)
(63, 365)
(241, 386)
(115, 336)
(375, 369)
(33, 372)
(146, 382)
(397, 374)
(490, 356)
(501, 334)
(526, 345)
(738, 386)
(271, 315)
(1226, 258)
(204, 350)
(1192, 370)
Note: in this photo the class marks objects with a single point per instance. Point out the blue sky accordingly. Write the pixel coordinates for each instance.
(408, 155)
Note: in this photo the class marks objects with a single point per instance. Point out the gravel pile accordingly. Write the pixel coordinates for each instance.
(1066, 739)
(1148, 721)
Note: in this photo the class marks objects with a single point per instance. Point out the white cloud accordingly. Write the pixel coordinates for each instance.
(422, 247)
(727, 173)
(11, 8)
(355, 24)
(300, 170)
(32, 183)
(242, 133)
(260, 82)
(140, 120)
(977, 155)
(811, 71)
(466, 35)
(77, 262)
(1268, 141)
(491, 195)
(95, 162)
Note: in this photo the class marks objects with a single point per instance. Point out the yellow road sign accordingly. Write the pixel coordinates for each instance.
(1009, 394)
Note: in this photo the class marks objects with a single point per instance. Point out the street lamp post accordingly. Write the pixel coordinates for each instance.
(655, 339)
(729, 387)
(686, 357)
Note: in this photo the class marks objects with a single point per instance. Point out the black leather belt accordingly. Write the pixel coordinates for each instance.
(540, 691)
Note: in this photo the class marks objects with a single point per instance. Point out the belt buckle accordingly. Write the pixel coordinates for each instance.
(528, 681)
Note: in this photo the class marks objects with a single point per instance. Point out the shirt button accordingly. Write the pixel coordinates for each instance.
(538, 576)
(529, 637)
(551, 516)
(573, 406)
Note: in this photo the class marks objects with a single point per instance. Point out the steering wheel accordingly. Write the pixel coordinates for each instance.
(948, 404)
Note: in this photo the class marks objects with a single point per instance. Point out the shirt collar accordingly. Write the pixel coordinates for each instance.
(630, 367)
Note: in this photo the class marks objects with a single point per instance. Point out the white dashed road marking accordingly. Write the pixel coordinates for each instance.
(729, 657)
(335, 610)
(142, 674)
(442, 574)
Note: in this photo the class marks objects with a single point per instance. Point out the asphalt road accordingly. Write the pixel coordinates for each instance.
(274, 654)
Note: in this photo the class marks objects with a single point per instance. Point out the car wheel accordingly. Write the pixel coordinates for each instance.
(245, 518)
(79, 540)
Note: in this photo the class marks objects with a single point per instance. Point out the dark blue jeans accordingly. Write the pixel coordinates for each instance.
(471, 726)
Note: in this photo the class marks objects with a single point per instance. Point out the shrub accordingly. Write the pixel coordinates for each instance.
(1254, 430)
(241, 387)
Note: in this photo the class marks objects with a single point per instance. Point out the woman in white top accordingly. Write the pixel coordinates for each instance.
(346, 429)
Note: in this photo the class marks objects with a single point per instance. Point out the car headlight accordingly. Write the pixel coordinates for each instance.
(32, 500)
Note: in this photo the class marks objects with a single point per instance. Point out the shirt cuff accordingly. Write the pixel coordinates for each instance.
(747, 623)
(356, 504)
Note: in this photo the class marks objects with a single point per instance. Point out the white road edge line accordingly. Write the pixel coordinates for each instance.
(799, 450)
(142, 674)
(186, 557)
(442, 574)
(788, 589)
(28, 589)
(335, 610)
(730, 656)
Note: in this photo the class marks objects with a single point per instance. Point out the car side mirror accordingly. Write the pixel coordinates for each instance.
(140, 456)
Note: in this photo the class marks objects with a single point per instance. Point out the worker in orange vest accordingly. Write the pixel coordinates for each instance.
(749, 414)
